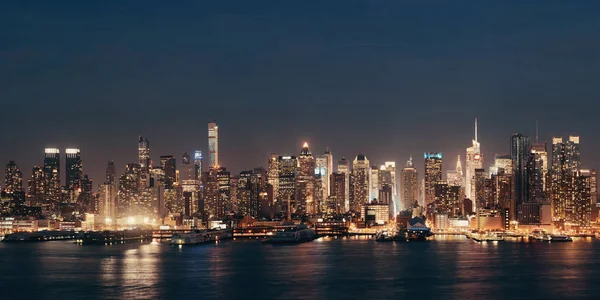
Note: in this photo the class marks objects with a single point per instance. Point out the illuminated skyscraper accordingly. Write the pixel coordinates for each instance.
(433, 174)
(288, 166)
(537, 169)
(359, 191)
(198, 164)
(447, 199)
(144, 154)
(565, 163)
(13, 178)
(74, 168)
(321, 171)
(37, 185)
(344, 168)
(305, 181)
(455, 177)
(474, 161)
(273, 174)
(374, 183)
(169, 166)
(52, 174)
(213, 144)
(409, 185)
(337, 194)
(329, 158)
(390, 167)
(520, 149)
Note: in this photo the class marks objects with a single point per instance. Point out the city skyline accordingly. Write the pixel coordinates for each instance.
(414, 90)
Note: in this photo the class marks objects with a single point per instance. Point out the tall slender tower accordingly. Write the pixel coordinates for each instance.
(329, 158)
(213, 144)
(359, 185)
(74, 168)
(305, 180)
(409, 184)
(474, 160)
(433, 175)
(52, 174)
(344, 168)
(520, 149)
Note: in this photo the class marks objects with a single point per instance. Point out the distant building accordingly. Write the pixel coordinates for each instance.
(433, 174)
(409, 184)
(359, 193)
(74, 169)
(474, 160)
(13, 179)
(213, 144)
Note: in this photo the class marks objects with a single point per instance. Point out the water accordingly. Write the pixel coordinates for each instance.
(447, 267)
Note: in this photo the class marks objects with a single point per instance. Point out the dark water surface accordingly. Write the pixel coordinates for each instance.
(447, 267)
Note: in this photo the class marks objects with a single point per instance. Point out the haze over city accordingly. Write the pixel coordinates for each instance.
(384, 79)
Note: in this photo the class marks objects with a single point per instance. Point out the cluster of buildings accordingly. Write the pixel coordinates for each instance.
(521, 188)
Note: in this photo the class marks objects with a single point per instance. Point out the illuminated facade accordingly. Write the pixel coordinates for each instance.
(565, 163)
(447, 199)
(359, 181)
(213, 144)
(343, 167)
(373, 183)
(37, 185)
(537, 170)
(433, 174)
(455, 177)
(474, 160)
(74, 169)
(13, 178)
(169, 166)
(198, 164)
(321, 178)
(305, 181)
(288, 166)
(409, 184)
(390, 168)
(520, 149)
(337, 193)
(273, 174)
(52, 174)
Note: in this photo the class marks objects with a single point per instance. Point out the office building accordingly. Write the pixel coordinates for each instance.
(52, 174)
(359, 183)
(474, 160)
(74, 169)
(520, 149)
(13, 178)
(343, 167)
(305, 181)
(213, 144)
(409, 185)
(433, 174)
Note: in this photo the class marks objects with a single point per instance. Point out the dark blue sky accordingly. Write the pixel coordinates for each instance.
(386, 78)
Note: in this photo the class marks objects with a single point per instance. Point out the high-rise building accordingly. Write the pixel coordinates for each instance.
(213, 144)
(390, 168)
(482, 190)
(520, 149)
(385, 197)
(329, 170)
(359, 182)
(409, 184)
(447, 199)
(198, 164)
(454, 177)
(337, 194)
(13, 178)
(86, 198)
(433, 174)
(169, 166)
(111, 173)
(37, 185)
(566, 163)
(188, 180)
(273, 175)
(288, 166)
(74, 169)
(52, 174)
(321, 178)
(129, 188)
(578, 206)
(144, 160)
(537, 170)
(474, 161)
(343, 167)
(373, 183)
(305, 181)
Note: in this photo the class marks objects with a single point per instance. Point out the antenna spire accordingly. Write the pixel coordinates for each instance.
(476, 129)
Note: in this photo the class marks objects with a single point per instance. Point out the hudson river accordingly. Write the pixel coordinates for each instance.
(443, 268)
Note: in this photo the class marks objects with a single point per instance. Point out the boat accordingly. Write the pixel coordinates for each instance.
(418, 234)
(293, 235)
(487, 237)
(114, 237)
(391, 236)
(201, 237)
(39, 236)
(540, 235)
(560, 238)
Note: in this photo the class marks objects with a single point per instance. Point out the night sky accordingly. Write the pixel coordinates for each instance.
(385, 78)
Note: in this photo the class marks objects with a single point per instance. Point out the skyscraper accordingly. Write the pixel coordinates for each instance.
(305, 181)
(520, 149)
(409, 185)
(329, 159)
(288, 166)
(13, 178)
(213, 144)
(337, 195)
(359, 183)
(373, 183)
(52, 174)
(537, 170)
(433, 174)
(390, 167)
(169, 166)
(344, 168)
(454, 177)
(37, 184)
(474, 161)
(565, 163)
(74, 168)
(321, 165)
(145, 161)
(198, 164)
(273, 175)
(189, 183)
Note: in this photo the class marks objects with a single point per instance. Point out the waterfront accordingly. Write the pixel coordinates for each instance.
(449, 267)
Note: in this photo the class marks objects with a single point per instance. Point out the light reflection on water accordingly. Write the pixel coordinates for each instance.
(340, 268)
